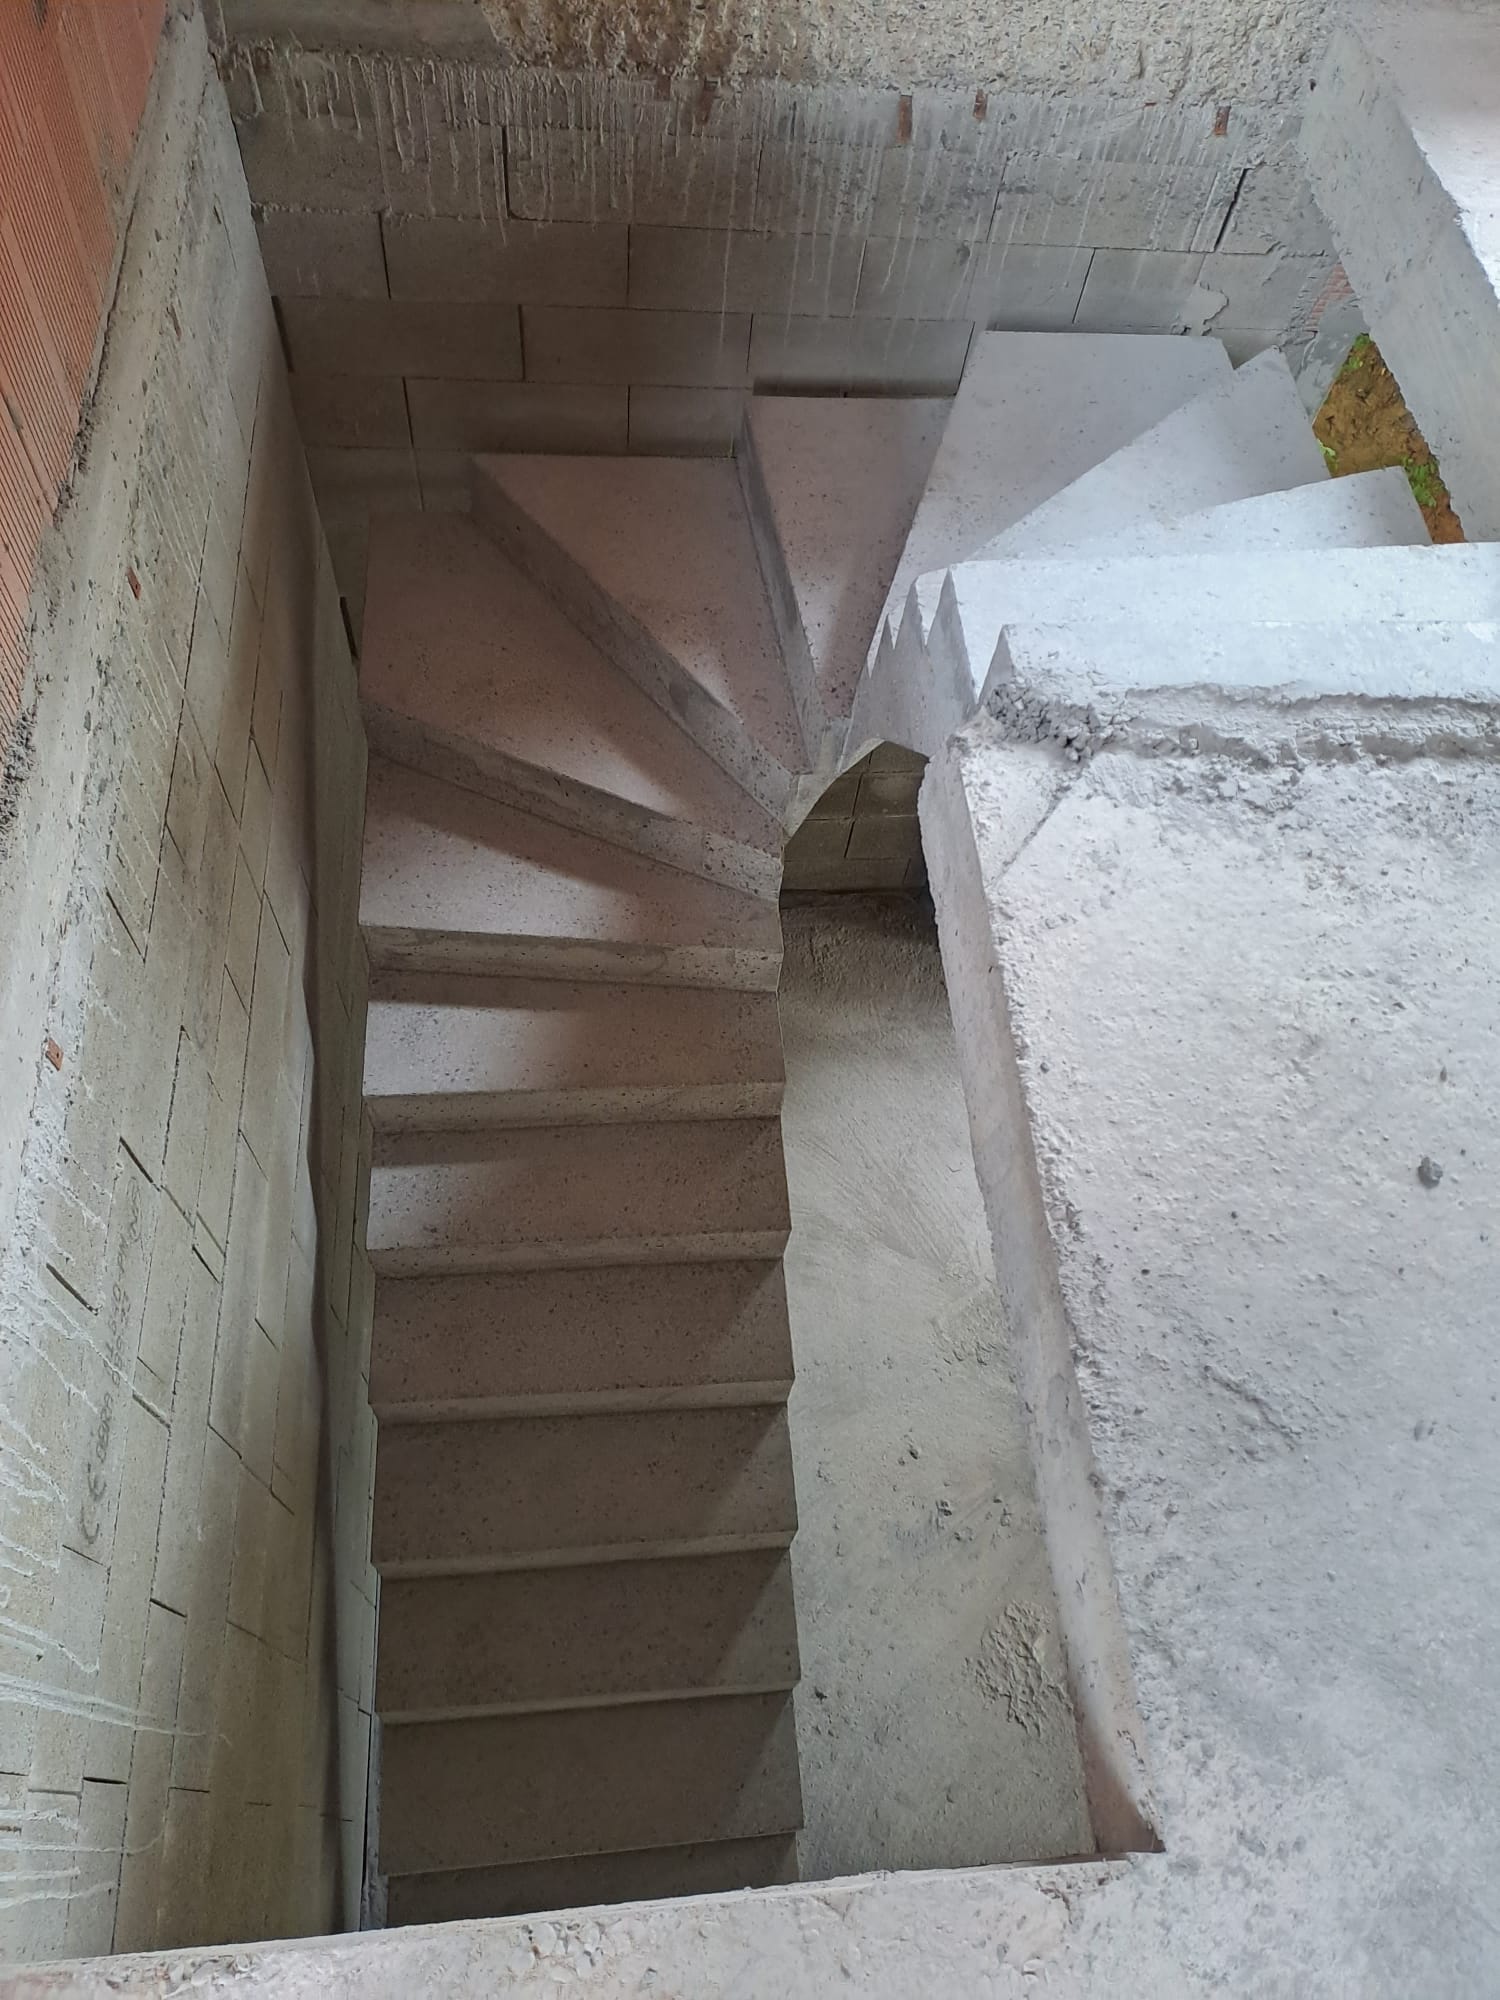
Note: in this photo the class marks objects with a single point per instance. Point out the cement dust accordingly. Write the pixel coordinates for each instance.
(933, 1722)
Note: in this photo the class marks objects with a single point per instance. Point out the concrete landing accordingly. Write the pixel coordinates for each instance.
(1033, 412)
(654, 559)
(542, 1197)
(473, 1794)
(449, 1051)
(468, 671)
(456, 882)
(623, 1337)
(585, 1636)
(832, 485)
(532, 1493)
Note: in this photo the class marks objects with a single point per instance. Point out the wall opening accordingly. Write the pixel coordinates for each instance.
(934, 1723)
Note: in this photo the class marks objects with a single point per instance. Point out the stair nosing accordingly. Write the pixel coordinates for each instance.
(768, 1392)
(573, 1704)
(518, 1110)
(571, 1558)
(584, 1254)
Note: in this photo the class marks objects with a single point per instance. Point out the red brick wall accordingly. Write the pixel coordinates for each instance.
(73, 81)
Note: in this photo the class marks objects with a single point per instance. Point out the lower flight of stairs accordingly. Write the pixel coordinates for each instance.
(594, 706)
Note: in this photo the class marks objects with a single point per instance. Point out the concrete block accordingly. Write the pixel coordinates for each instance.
(619, 1338)
(255, 816)
(510, 262)
(208, 664)
(696, 635)
(537, 1198)
(207, 1599)
(582, 1881)
(526, 1493)
(464, 416)
(447, 1052)
(90, 1923)
(237, 1329)
(351, 486)
(117, 1683)
(136, 1921)
(447, 338)
(588, 1633)
(805, 187)
(244, 928)
(1274, 211)
(884, 837)
(677, 349)
(731, 270)
(239, 692)
(1033, 413)
(568, 173)
(444, 480)
(451, 881)
(934, 193)
(1276, 292)
(349, 410)
(1113, 205)
(1139, 291)
(308, 254)
(1016, 286)
(892, 356)
(685, 423)
(478, 1793)
(457, 639)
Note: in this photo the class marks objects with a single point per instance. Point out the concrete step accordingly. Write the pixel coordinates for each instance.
(536, 1492)
(1247, 434)
(654, 560)
(454, 1051)
(1362, 510)
(587, 1881)
(1033, 412)
(621, 1337)
(455, 882)
(521, 1788)
(586, 1636)
(831, 485)
(1453, 584)
(468, 672)
(541, 1197)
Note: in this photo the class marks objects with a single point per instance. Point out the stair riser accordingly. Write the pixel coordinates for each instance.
(633, 649)
(393, 949)
(452, 1499)
(727, 1246)
(781, 595)
(714, 1869)
(486, 1111)
(621, 1402)
(477, 1794)
(544, 1641)
(568, 802)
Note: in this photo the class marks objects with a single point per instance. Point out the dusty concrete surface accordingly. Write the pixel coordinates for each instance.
(932, 1717)
(184, 1646)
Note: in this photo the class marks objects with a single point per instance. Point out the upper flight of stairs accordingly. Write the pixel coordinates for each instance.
(595, 705)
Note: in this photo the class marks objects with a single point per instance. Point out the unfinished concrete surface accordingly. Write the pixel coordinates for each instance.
(186, 1602)
(933, 1715)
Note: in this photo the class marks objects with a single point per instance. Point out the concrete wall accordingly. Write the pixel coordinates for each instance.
(73, 81)
(186, 1607)
(468, 256)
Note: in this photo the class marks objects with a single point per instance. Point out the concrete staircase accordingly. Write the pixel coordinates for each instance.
(595, 704)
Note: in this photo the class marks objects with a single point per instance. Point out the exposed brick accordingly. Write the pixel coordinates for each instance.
(675, 349)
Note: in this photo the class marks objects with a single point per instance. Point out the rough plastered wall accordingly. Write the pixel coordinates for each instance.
(186, 1606)
(73, 81)
(1227, 1000)
(471, 254)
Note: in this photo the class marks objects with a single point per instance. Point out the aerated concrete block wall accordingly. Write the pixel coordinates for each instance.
(186, 1604)
(468, 256)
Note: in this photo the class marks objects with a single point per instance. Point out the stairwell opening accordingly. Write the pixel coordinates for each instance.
(933, 1718)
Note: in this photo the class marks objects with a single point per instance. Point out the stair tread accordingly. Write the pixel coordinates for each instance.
(1032, 413)
(1227, 590)
(1245, 435)
(533, 1492)
(642, 1335)
(668, 539)
(587, 1881)
(460, 644)
(516, 1788)
(841, 479)
(558, 1194)
(442, 1048)
(440, 859)
(527, 1640)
